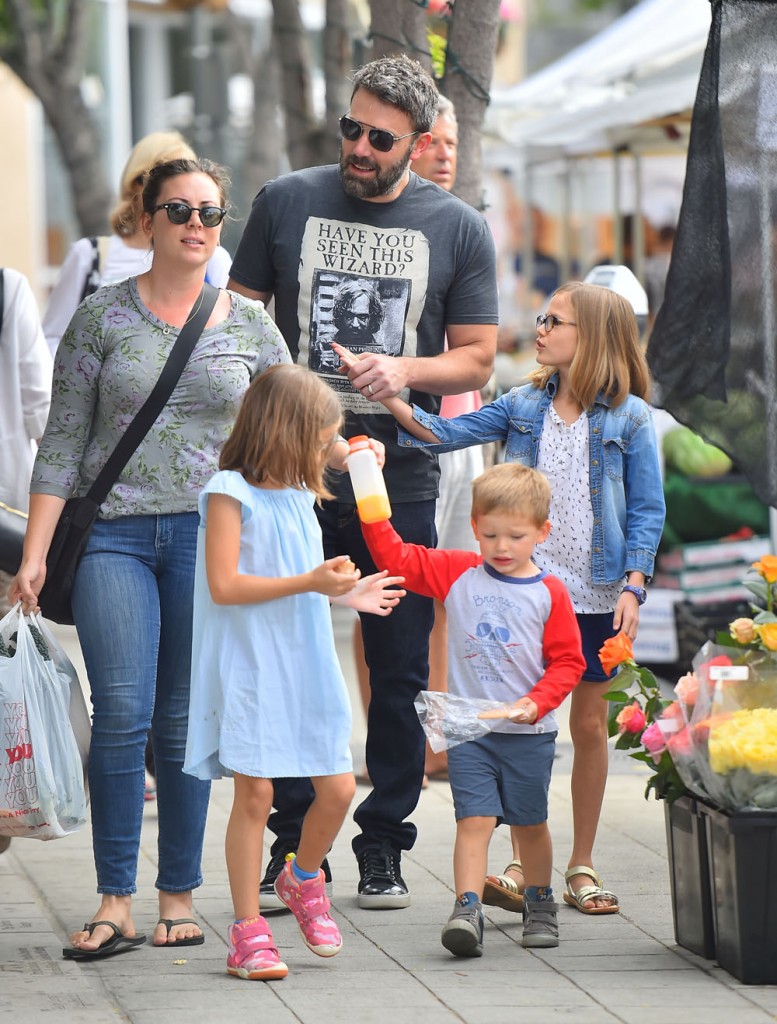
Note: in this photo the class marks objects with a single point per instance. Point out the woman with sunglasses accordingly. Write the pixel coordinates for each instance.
(93, 262)
(133, 592)
(583, 420)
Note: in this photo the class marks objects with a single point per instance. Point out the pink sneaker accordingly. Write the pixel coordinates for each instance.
(309, 904)
(252, 954)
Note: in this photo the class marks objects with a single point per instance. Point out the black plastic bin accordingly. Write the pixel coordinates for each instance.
(742, 849)
(698, 623)
(689, 877)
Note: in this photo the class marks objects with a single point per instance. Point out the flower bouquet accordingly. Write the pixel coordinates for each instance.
(717, 739)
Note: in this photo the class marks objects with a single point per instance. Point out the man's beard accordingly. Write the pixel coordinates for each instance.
(382, 184)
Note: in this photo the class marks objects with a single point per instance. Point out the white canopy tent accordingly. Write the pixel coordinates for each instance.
(642, 68)
(625, 94)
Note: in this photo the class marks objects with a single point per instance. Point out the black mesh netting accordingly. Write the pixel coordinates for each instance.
(712, 350)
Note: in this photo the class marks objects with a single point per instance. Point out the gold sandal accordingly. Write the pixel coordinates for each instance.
(588, 892)
(502, 891)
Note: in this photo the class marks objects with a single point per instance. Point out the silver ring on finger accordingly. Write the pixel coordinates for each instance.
(369, 388)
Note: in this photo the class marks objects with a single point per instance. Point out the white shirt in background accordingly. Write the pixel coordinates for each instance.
(25, 388)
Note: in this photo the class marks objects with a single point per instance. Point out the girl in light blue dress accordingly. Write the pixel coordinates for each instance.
(268, 698)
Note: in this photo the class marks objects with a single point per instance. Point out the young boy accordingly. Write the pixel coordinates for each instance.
(512, 637)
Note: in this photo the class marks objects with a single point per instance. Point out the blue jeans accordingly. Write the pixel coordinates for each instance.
(132, 605)
(397, 653)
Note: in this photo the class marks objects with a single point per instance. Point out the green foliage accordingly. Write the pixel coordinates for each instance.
(438, 47)
(49, 16)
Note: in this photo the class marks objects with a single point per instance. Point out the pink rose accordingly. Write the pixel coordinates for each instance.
(653, 741)
(679, 745)
(631, 719)
(687, 689)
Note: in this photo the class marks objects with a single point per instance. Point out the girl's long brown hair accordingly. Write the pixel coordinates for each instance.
(609, 354)
(277, 433)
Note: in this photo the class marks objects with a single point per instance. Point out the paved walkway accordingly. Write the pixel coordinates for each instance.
(623, 968)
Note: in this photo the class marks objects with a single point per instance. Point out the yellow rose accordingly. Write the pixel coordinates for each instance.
(746, 739)
(767, 633)
(742, 630)
(767, 567)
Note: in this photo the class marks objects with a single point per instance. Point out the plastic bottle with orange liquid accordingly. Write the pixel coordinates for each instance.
(369, 487)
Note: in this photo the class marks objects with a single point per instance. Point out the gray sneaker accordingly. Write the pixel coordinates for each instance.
(463, 931)
(540, 924)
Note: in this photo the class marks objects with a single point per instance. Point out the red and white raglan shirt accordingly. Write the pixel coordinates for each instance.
(508, 637)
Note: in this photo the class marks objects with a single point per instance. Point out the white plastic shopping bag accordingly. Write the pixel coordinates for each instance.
(44, 730)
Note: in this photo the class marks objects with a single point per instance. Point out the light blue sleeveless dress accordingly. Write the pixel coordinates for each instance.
(268, 698)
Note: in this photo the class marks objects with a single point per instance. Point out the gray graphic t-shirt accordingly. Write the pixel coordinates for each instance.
(375, 277)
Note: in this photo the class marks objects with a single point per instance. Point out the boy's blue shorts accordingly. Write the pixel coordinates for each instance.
(504, 776)
(595, 628)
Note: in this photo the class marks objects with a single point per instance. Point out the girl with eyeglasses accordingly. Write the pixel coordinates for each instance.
(584, 421)
(91, 263)
(133, 591)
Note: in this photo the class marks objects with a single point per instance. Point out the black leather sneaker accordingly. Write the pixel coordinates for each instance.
(269, 902)
(381, 886)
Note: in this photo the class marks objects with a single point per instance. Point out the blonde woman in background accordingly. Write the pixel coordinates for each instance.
(94, 262)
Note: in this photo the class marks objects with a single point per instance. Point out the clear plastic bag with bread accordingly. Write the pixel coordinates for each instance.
(448, 720)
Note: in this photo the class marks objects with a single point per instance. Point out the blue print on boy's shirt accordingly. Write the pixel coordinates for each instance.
(490, 647)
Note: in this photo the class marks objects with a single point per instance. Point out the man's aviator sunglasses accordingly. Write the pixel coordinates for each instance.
(380, 139)
(181, 213)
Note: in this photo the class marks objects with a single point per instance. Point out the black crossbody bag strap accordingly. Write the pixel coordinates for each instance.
(147, 415)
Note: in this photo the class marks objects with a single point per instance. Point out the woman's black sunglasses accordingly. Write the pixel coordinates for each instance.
(380, 139)
(181, 213)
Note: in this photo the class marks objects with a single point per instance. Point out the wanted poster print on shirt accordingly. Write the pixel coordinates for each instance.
(363, 287)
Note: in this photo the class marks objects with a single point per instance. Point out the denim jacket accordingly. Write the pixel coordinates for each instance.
(627, 492)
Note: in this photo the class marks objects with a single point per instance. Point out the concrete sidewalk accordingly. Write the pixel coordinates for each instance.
(622, 967)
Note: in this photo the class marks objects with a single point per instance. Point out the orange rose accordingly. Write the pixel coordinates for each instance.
(767, 634)
(673, 711)
(687, 689)
(615, 651)
(767, 567)
(742, 630)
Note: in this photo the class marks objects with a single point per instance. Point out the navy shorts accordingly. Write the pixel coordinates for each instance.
(594, 630)
(504, 776)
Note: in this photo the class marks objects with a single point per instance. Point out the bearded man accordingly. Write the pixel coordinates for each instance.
(431, 256)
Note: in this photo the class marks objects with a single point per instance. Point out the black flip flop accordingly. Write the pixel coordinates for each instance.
(196, 940)
(118, 943)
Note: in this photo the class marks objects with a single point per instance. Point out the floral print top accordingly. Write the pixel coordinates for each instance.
(105, 368)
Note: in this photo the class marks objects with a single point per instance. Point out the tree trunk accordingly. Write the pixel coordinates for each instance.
(76, 135)
(47, 53)
(468, 69)
(337, 63)
(399, 27)
(304, 137)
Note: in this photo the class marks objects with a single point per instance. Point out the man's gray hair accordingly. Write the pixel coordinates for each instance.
(446, 109)
(405, 84)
